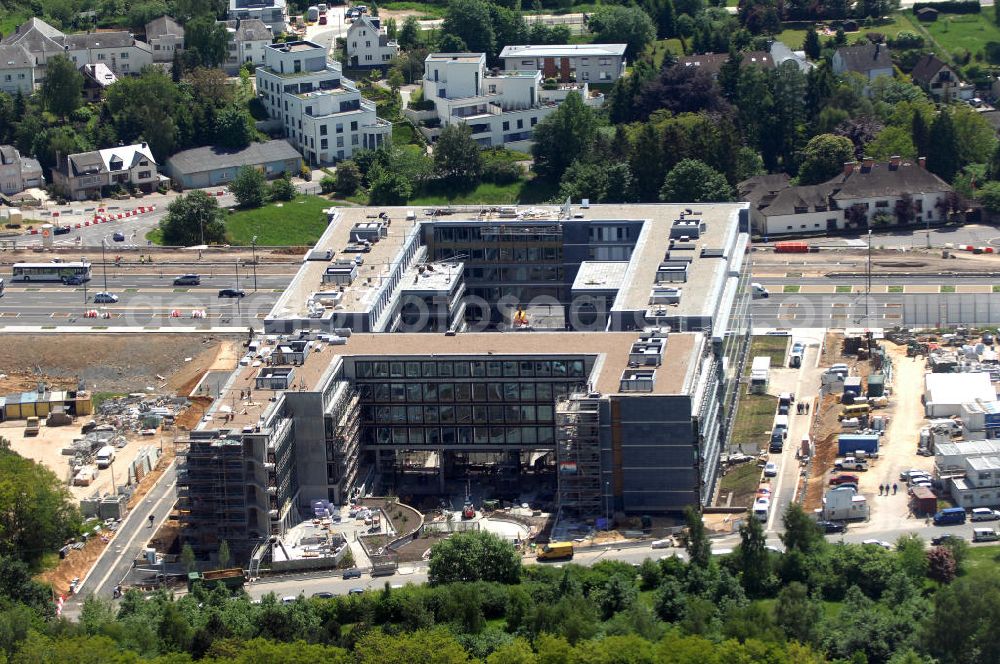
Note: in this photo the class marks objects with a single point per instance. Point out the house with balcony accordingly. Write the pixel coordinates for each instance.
(501, 107)
(247, 40)
(320, 112)
(865, 194)
(939, 80)
(368, 45)
(166, 37)
(272, 12)
(584, 63)
(86, 174)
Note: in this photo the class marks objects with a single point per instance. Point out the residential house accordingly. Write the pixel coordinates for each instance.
(869, 60)
(501, 108)
(86, 174)
(906, 192)
(940, 80)
(96, 79)
(368, 45)
(272, 12)
(712, 62)
(119, 50)
(927, 14)
(166, 37)
(780, 54)
(213, 166)
(248, 39)
(17, 69)
(18, 173)
(319, 110)
(593, 63)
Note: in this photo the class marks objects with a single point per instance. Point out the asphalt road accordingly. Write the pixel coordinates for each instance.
(974, 234)
(147, 297)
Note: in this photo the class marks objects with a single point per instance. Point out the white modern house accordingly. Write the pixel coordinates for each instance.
(593, 63)
(868, 60)
(272, 12)
(17, 70)
(904, 191)
(368, 45)
(321, 113)
(980, 487)
(501, 107)
(247, 40)
(120, 51)
(166, 37)
(18, 173)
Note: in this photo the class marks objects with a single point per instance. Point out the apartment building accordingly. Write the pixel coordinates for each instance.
(18, 173)
(501, 107)
(120, 51)
(585, 63)
(248, 39)
(272, 12)
(166, 37)
(320, 111)
(368, 45)
(17, 70)
(86, 175)
(355, 389)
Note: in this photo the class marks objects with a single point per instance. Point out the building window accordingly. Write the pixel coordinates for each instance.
(534, 121)
(340, 141)
(493, 89)
(124, 56)
(144, 175)
(323, 144)
(354, 139)
(506, 125)
(340, 128)
(354, 126)
(881, 204)
(520, 124)
(309, 110)
(586, 75)
(322, 130)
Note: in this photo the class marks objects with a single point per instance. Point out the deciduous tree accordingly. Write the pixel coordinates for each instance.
(823, 157)
(474, 556)
(193, 219)
(249, 187)
(563, 137)
(694, 181)
(456, 155)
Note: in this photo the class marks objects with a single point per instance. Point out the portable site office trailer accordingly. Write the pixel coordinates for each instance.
(760, 372)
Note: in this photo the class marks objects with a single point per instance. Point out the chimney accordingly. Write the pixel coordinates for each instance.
(922, 161)
(867, 163)
(849, 167)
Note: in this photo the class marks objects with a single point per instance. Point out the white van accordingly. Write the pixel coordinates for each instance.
(758, 291)
(105, 456)
(985, 535)
(979, 513)
(761, 509)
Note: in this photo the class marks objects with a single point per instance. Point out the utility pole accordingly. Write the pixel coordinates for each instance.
(868, 287)
(253, 249)
(104, 263)
(238, 298)
(85, 279)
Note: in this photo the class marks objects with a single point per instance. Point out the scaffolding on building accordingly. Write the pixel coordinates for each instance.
(343, 450)
(578, 454)
(212, 492)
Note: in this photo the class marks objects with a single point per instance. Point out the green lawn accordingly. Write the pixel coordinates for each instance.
(843, 289)
(982, 559)
(947, 289)
(791, 289)
(659, 48)
(425, 9)
(794, 38)
(403, 133)
(895, 289)
(752, 424)
(742, 481)
(10, 21)
(298, 222)
(524, 192)
(772, 346)
(963, 31)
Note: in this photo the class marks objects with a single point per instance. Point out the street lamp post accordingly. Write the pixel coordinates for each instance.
(84, 260)
(238, 298)
(253, 249)
(104, 263)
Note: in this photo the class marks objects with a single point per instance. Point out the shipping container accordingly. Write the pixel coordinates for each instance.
(791, 248)
(850, 443)
(876, 385)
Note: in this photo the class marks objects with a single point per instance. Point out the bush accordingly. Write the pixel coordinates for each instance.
(282, 189)
(502, 172)
(906, 40)
(348, 178)
(951, 6)
(327, 184)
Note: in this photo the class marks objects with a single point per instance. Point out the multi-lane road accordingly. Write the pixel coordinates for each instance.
(147, 296)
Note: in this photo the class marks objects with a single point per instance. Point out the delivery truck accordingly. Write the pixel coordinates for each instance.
(556, 551)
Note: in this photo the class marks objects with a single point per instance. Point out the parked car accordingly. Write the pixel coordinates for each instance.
(843, 479)
(985, 535)
(288, 599)
(832, 526)
(324, 595)
(770, 469)
(664, 543)
(74, 280)
(950, 515)
(61, 230)
(187, 280)
(846, 485)
(944, 539)
(105, 298)
(882, 543)
(353, 573)
(356, 591)
(118, 237)
(232, 292)
(905, 475)
(985, 514)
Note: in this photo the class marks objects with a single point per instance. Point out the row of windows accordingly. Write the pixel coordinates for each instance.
(520, 123)
(504, 254)
(541, 436)
(461, 392)
(492, 415)
(472, 369)
(457, 233)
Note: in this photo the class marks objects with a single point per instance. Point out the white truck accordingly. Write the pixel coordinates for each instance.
(850, 463)
(105, 456)
(760, 374)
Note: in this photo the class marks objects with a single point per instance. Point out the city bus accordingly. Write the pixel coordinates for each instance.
(64, 272)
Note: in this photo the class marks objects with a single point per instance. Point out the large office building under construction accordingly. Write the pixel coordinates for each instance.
(588, 352)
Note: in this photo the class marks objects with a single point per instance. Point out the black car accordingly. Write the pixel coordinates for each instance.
(187, 280)
(353, 573)
(73, 280)
(232, 292)
(833, 526)
(61, 230)
(324, 595)
(118, 237)
(944, 539)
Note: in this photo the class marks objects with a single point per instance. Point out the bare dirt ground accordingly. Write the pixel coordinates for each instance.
(105, 362)
(835, 261)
